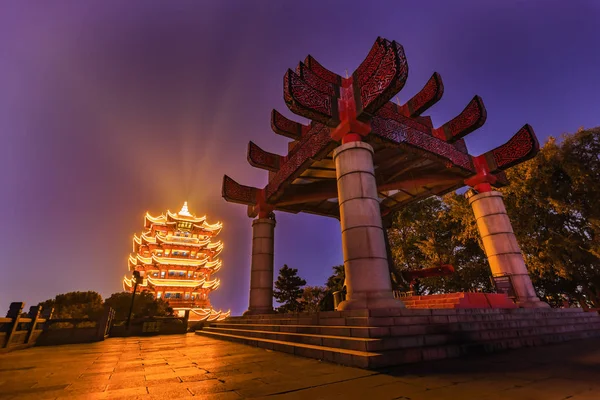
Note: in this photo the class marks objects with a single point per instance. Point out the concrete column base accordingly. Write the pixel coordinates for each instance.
(370, 302)
(257, 311)
(365, 258)
(537, 303)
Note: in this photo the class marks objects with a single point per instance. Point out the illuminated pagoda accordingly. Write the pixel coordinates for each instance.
(177, 258)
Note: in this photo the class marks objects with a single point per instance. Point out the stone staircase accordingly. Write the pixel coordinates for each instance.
(459, 300)
(382, 338)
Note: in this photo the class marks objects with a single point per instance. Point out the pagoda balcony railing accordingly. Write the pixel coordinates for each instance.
(178, 277)
(184, 239)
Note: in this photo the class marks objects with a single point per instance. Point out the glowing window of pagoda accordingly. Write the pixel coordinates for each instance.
(162, 274)
(177, 295)
(171, 273)
(187, 295)
(167, 295)
(158, 295)
(175, 252)
(195, 274)
(167, 251)
(193, 296)
(155, 273)
(189, 274)
(181, 273)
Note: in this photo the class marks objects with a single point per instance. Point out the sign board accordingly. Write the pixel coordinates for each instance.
(504, 285)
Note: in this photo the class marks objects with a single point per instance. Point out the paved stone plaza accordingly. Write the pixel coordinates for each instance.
(184, 366)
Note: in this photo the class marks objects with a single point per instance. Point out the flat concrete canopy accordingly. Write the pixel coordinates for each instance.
(182, 366)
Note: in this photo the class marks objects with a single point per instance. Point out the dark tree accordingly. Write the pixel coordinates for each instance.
(553, 204)
(438, 231)
(552, 201)
(145, 305)
(288, 290)
(75, 305)
(335, 283)
(312, 297)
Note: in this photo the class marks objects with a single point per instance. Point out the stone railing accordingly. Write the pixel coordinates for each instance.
(150, 326)
(76, 330)
(19, 331)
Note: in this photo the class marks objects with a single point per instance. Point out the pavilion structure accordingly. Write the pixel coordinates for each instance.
(362, 157)
(177, 258)
(359, 159)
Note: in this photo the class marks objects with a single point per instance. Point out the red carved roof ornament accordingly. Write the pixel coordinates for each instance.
(413, 159)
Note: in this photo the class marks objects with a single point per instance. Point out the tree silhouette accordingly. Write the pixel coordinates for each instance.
(312, 296)
(75, 305)
(145, 305)
(335, 283)
(288, 290)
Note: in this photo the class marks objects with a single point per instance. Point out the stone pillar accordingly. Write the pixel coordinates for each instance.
(501, 247)
(261, 270)
(365, 259)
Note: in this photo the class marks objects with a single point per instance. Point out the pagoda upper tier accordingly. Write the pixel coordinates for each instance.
(182, 219)
(176, 257)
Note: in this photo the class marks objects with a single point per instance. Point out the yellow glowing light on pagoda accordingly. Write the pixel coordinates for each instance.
(184, 210)
(180, 283)
(176, 255)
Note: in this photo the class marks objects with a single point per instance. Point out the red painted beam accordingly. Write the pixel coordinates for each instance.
(260, 158)
(470, 119)
(430, 94)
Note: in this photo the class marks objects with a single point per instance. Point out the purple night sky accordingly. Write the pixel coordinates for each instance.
(110, 109)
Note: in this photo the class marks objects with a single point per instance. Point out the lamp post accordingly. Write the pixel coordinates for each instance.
(137, 278)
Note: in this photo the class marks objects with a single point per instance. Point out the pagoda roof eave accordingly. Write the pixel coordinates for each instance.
(182, 218)
(180, 262)
(151, 220)
(152, 263)
(183, 283)
(200, 244)
(213, 228)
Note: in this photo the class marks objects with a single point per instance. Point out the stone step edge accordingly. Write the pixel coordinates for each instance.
(383, 313)
(515, 317)
(311, 335)
(291, 344)
(372, 360)
(556, 322)
(515, 333)
(478, 347)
